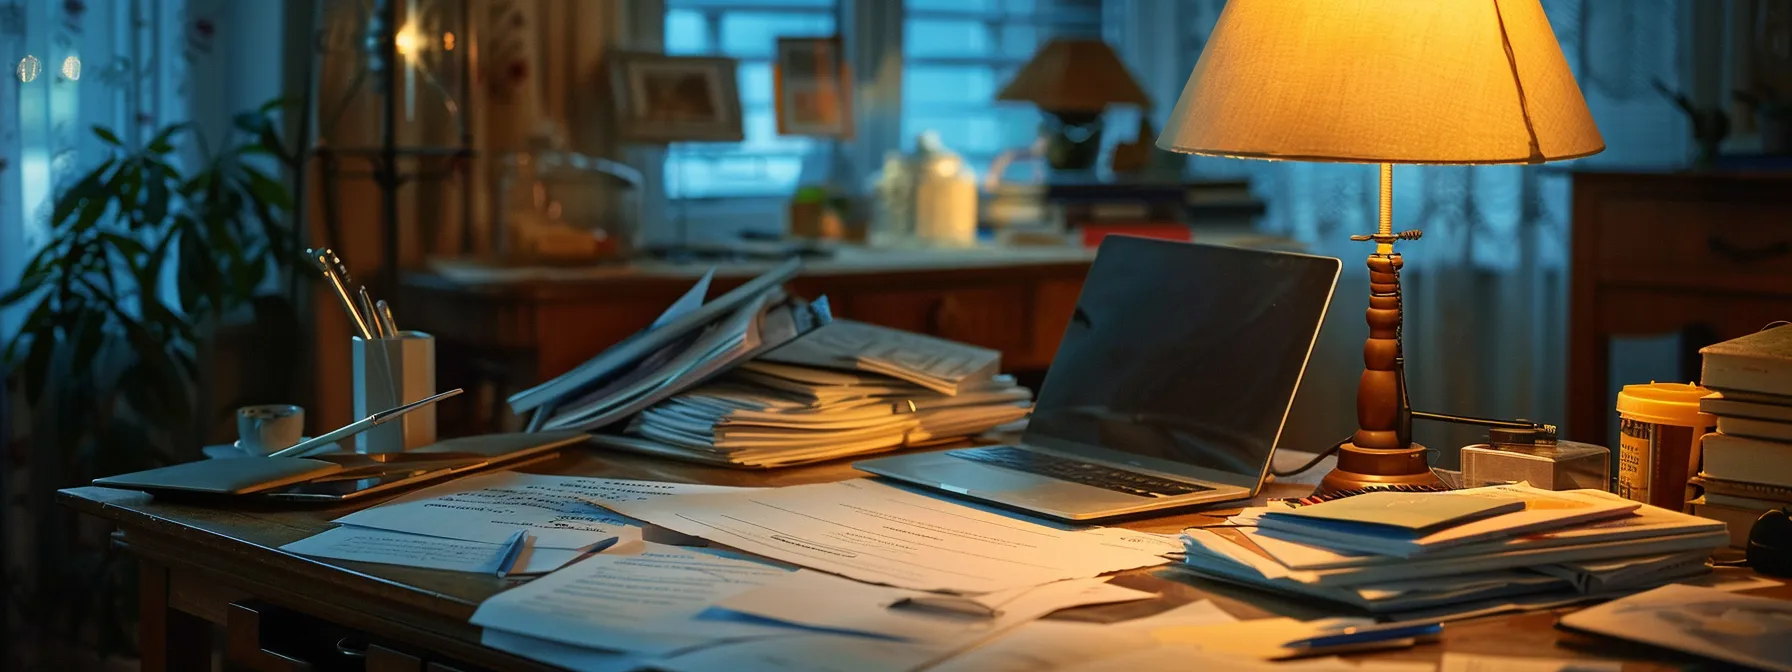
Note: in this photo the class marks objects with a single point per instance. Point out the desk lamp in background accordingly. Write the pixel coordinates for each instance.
(1073, 80)
(1383, 82)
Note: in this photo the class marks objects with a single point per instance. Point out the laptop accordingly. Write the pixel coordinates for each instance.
(1170, 388)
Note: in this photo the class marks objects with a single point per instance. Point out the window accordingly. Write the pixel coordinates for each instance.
(765, 164)
(958, 53)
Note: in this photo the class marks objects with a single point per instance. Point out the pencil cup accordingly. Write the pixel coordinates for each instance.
(389, 373)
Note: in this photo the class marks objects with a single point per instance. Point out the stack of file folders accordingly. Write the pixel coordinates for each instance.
(767, 414)
(1457, 554)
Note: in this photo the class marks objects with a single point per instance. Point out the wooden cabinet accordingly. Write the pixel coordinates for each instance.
(1707, 256)
(498, 334)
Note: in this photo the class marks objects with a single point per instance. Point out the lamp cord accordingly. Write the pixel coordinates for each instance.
(1280, 473)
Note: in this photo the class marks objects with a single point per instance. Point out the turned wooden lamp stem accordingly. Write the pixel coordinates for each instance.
(1382, 453)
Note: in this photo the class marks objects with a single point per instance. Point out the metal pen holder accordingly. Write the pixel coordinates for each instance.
(389, 373)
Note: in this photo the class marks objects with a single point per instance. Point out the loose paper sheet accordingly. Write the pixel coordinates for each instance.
(1183, 657)
(1049, 644)
(643, 597)
(881, 534)
(564, 512)
(819, 600)
(805, 653)
(561, 655)
(1464, 662)
(361, 544)
(1741, 629)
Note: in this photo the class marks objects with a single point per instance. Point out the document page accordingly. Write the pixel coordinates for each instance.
(881, 534)
(643, 598)
(362, 544)
(828, 601)
(558, 511)
(1054, 644)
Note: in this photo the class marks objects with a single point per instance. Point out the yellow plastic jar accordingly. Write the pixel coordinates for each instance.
(1659, 427)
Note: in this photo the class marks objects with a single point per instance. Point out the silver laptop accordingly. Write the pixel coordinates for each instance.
(1170, 388)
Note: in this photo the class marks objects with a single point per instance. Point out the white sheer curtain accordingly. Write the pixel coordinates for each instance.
(1487, 287)
(132, 67)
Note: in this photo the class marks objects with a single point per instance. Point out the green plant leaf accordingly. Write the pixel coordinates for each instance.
(163, 143)
(249, 122)
(107, 135)
(267, 189)
(29, 283)
(90, 187)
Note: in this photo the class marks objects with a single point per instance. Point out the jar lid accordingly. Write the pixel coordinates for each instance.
(1664, 403)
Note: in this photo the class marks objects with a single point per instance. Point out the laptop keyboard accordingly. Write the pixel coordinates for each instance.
(1104, 477)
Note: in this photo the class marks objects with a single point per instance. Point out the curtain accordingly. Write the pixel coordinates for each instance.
(132, 67)
(1486, 289)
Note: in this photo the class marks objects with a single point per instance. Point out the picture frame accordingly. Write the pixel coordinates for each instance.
(812, 87)
(661, 99)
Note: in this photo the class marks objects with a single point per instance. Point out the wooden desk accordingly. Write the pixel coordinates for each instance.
(204, 566)
(1704, 255)
(500, 330)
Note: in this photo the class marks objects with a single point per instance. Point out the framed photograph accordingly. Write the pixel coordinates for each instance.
(812, 85)
(662, 99)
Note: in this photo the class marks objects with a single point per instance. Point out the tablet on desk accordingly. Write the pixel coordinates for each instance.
(346, 486)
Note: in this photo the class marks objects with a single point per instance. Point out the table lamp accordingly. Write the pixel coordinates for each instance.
(1384, 82)
(1073, 80)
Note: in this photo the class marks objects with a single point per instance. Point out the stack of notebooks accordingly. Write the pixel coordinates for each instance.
(1747, 463)
(845, 389)
(1462, 553)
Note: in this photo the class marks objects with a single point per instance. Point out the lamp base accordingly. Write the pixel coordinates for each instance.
(1369, 468)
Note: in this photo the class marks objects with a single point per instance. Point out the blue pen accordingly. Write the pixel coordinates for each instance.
(1367, 635)
(513, 550)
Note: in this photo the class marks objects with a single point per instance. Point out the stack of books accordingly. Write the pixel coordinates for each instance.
(846, 389)
(1442, 555)
(1747, 462)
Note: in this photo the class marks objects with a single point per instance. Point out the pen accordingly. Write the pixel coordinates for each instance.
(947, 604)
(373, 318)
(387, 322)
(1368, 634)
(322, 259)
(359, 426)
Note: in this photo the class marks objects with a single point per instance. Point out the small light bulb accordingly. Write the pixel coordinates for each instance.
(29, 68)
(407, 41)
(71, 68)
(447, 41)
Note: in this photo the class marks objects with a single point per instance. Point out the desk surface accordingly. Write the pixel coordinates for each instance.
(217, 556)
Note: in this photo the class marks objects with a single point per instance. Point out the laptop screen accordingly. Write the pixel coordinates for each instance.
(1185, 353)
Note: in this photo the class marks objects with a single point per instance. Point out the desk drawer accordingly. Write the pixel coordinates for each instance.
(260, 637)
(1693, 242)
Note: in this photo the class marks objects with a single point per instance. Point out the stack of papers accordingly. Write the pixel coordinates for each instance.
(767, 414)
(691, 342)
(1390, 555)
(947, 367)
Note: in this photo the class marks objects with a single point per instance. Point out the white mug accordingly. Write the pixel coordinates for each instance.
(266, 428)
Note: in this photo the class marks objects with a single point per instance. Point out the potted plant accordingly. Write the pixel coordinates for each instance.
(1773, 119)
(147, 255)
(1710, 125)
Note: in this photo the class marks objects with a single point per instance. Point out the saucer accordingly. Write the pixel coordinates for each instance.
(229, 450)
